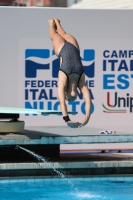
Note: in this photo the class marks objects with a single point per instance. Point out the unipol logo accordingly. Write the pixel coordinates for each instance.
(39, 59)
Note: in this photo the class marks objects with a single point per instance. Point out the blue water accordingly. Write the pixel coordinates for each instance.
(66, 189)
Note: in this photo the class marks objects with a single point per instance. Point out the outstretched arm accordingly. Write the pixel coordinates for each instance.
(86, 94)
(61, 96)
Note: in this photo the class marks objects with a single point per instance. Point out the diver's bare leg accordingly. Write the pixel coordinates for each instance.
(67, 37)
(57, 40)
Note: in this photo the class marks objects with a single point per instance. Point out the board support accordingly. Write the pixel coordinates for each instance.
(11, 126)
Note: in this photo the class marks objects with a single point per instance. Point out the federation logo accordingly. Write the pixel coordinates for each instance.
(88, 62)
(41, 90)
(39, 59)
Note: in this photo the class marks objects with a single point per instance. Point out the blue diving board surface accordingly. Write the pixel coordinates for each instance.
(63, 135)
(11, 110)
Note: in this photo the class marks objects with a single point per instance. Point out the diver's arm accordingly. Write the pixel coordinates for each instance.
(61, 96)
(86, 94)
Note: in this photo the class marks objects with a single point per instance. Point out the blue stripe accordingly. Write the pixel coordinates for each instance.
(41, 53)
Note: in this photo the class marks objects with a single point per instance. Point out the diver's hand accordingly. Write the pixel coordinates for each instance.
(72, 124)
(82, 123)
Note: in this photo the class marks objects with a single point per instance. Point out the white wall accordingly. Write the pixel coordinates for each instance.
(23, 28)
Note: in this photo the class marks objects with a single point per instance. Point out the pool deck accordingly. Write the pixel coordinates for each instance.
(91, 164)
(62, 135)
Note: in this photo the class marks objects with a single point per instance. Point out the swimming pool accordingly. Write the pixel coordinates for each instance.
(102, 188)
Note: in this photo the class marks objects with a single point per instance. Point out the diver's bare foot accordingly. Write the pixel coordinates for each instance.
(57, 21)
(51, 22)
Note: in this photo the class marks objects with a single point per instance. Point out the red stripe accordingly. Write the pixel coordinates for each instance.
(108, 97)
(113, 111)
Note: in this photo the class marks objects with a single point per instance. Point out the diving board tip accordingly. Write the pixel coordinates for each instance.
(11, 110)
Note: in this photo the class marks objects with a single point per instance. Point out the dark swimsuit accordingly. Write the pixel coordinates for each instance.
(71, 61)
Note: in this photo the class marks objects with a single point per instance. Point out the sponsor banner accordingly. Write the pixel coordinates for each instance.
(38, 80)
(108, 67)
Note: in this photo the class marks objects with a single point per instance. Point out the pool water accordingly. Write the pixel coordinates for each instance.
(67, 189)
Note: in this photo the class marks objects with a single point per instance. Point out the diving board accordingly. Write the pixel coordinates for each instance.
(13, 113)
(32, 111)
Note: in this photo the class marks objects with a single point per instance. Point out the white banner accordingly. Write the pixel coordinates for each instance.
(108, 66)
(29, 68)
